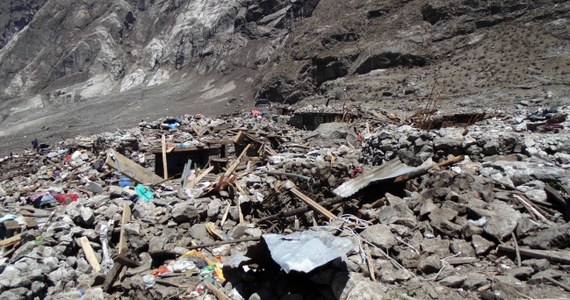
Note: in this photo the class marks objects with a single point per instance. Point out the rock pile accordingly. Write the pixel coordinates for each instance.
(247, 207)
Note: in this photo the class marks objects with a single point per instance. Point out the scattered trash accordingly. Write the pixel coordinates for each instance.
(125, 181)
(144, 193)
(254, 208)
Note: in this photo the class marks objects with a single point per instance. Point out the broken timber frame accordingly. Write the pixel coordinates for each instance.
(551, 256)
(421, 171)
(121, 260)
(131, 169)
(313, 204)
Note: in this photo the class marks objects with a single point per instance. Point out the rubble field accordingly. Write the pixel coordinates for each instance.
(309, 204)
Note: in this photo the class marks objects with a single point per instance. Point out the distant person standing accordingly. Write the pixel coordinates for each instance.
(36, 144)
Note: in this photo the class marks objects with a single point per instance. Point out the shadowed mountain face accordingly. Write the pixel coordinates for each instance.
(394, 53)
(71, 67)
(81, 49)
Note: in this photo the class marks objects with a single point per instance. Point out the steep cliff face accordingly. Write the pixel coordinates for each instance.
(15, 16)
(82, 49)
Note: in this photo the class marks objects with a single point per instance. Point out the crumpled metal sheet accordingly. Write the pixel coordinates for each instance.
(391, 169)
(307, 250)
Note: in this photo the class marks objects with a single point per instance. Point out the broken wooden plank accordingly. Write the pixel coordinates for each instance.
(517, 249)
(185, 173)
(236, 163)
(225, 215)
(164, 161)
(532, 209)
(217, 292)
(30, 215)
(558, 283)
(89, 254)
(242, 137)
(552, 256)
(370, 262)
(10, 241)
(240, 213)
(256, 144)
(126, 217)
(223, 179)
(112, 276)
(131, 169)
(461, 260)
(125, 261)
(172, 284)
(270, 150)
(300, 210)
(191, 148)
(199, 130)
(424, 170)
(238, 203)
(313, 204)
(198, 178)
(11, 251)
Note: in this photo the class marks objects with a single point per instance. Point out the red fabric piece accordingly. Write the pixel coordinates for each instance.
(66, 198)
(356, 171)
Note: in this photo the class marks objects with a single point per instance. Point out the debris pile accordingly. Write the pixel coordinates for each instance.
(359, 206)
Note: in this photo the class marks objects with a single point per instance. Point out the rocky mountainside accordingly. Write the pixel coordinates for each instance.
(67, 65)
(462, 51)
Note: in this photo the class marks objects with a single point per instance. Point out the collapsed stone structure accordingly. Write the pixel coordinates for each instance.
(253, 208)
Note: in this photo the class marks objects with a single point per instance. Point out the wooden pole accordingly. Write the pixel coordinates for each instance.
(164, 162)
(422, 171)
(552, 256)
(89, 254)
(313, 204)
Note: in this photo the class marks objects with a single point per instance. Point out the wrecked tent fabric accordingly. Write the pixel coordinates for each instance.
(307, 250)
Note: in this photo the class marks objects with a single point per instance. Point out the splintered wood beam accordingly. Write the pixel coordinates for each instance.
(10, 241)
(131, 169)
(225, 215)
(223, 179)
(532, 209)
(552, 256)
(89, 254)
(164, 162)
(558, 283)
(198, 178)
(313, 204)
(217, 292)
(126, 217)
(121, 260)
(127, 262)
(112, 276)
(422, 171)
(236, 163)
(370, 262)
